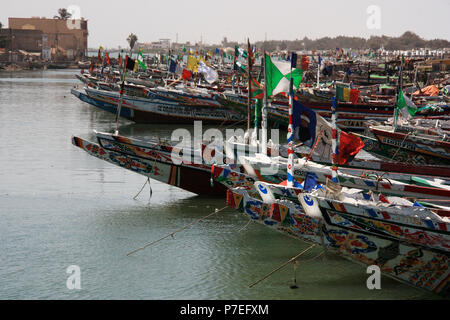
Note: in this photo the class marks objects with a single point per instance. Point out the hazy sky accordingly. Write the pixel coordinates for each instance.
(110, 22)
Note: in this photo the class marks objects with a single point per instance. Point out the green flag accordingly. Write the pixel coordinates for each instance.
(140, 59)
(238, 52)
(405, 106)
(278, 74)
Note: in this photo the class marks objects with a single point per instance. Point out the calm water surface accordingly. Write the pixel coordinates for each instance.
(61, 207)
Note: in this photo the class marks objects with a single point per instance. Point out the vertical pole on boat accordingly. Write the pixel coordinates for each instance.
(290, 134)
(264, 111)
(334, 140)
(318, 71)
(119, 106)
(400, 89)
(249, 74)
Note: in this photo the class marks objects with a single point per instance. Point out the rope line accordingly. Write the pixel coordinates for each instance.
(283, 265)
(178, 230)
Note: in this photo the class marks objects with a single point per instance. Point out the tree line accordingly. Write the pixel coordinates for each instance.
(407, 41)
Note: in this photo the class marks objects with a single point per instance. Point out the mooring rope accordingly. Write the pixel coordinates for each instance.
(178, 230)
(146, 181)
(283, 265)
(400, 146)
(248, 222)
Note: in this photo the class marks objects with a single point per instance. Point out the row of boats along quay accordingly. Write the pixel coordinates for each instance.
(348, 152)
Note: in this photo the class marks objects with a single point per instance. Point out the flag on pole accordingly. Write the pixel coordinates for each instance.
(209, 73)
(173, 65)
(347, 94)
(99, 55)
(238, 66)
(192, 63)
(130, 63)
(140, 60)
(238, 52)
(315, 132)
(257, 89)
(406, 108)
(186, 74)
(108, 61)
(278, 75)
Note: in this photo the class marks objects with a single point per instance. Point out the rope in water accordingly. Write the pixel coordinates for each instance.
(283, 265)
(146, 181)
(178, 230)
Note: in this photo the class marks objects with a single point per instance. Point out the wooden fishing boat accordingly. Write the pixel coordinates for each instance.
(81, 94)
(154, 109)
(409, 244)
(413, 145)
(273, 170)
(151, 159)
(352, 117)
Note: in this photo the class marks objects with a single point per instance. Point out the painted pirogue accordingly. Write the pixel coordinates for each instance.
(153, 159)
(409, 244)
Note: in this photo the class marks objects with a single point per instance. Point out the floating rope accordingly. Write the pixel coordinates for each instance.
(282, 266)
(178, 230)
(146, 181)
(248, 222)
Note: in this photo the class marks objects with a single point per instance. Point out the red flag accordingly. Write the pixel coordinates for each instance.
(91, 66)
(120, 60)
(354, 95)
(99, 56)
(186, 74)
(349, 146)
(107, 59)
(305, 63)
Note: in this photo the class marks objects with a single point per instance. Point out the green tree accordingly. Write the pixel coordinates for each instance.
(132, 39)
(63, 14)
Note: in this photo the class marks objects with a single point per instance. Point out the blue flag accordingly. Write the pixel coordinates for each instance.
(304, 121)
(173, 66)
(293, 60)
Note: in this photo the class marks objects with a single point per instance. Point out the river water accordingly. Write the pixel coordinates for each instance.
(61, 207)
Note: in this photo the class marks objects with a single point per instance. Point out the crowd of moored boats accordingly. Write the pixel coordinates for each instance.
(389, 209)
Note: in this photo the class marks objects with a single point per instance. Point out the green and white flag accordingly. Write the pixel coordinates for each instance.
(406, 108)
(238, 66)
(278, 76)
(140, 59)
(238, 52)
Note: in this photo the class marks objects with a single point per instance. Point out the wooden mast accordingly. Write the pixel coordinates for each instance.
(249, 99)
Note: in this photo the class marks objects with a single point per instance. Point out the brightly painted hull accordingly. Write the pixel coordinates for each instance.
(240, 177)
(83, 96)
(412, 149)
(183, 176)
(161, 111)
(402, 258)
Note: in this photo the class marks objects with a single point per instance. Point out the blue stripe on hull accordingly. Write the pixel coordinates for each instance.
(124, 111)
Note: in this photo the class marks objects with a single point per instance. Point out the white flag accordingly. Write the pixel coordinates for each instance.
(209, 73)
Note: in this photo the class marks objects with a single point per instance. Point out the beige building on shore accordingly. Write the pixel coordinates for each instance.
(63, 38)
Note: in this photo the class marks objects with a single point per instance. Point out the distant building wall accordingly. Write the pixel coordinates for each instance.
(61, 34)
(18, 39)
